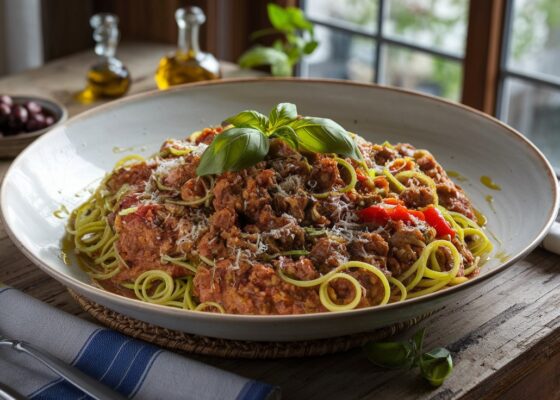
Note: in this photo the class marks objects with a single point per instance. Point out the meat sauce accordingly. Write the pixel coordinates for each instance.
(255, 217)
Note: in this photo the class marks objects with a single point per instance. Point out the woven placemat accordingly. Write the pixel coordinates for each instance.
(194, 344)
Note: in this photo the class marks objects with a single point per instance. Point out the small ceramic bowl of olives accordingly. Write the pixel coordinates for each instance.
(24, 118)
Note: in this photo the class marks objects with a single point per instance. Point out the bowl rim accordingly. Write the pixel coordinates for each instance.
(126, 302)
(24, 136)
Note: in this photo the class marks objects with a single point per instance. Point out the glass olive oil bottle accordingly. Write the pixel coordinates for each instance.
(188, 63)
(109, 77)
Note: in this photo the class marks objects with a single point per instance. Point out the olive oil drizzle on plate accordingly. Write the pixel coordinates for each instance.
(489, 183)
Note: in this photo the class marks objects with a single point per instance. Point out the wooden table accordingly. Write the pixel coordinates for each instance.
(505, 337)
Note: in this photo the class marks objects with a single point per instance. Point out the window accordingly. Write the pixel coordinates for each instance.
(416, 44)
(529, 93)
(509, 64)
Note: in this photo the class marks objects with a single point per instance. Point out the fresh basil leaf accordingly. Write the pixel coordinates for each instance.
(282, 114)
(233, 150)
(436, 366)
(323, 135)
(249, 118)
(390, 354)
(280, 18)
(287, 134)
(310, 47)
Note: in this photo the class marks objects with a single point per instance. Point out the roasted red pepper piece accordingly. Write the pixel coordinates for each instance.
(393, 200)
(381, 214)
(418, 214)
(398, 213)
(360, 176)
(435, 219)
(375, 213)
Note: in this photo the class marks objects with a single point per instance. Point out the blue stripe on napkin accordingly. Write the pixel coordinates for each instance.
(111, 358)
(254, 390)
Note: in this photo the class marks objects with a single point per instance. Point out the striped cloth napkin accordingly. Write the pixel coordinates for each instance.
(134, 368)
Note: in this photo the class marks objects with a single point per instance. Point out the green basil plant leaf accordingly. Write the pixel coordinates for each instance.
(249, 118)
(280, 18)
(390, 354)
(263, 32)
(288, 135)
(283, 68)
(436, 366)
(260, 55)
(310, 47)
(233, 150)
(322, 135)
(298, 20)
(282, 114)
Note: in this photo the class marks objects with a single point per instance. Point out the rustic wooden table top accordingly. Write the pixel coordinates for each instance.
(505, 337)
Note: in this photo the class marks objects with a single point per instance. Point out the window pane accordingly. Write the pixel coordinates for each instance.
(353, 13)
(340, 55)
(435, 23)
(535, 112)
(420, 71)
(535, 36)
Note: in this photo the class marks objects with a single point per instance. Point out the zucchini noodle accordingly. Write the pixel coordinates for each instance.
(326, 298)
(421, 275)
(324, 280)
(469, 232)
(479, 245)
(399, 187)
(161, 186)
(351, 185)
(422, 178)
(200, 200)
(93, 236)
(179, 152)
(289, 253)
(127, 211)
(129, 160)
(158, 287)
(400, 286)
(188, 302)
(178, 261)
(164, 290)
(209, 304)
(206, 260)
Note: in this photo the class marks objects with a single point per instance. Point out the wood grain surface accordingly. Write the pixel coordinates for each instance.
(505, 337)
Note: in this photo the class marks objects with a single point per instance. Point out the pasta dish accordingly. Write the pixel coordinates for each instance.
(278, 214)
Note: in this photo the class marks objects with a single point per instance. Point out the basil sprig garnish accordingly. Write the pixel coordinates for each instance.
(435, 365)
(246, 142)
(226, 148)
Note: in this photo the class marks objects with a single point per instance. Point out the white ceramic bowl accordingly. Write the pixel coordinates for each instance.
(11, 146)
(74, 155)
